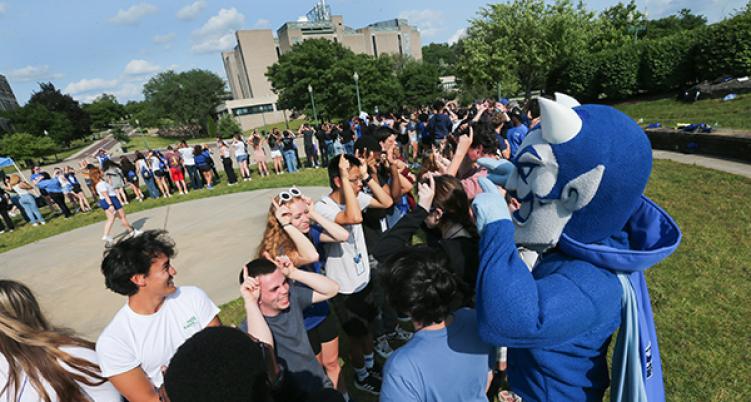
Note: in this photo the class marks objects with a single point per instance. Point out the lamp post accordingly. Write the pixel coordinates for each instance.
(312, 102)
(357, 89)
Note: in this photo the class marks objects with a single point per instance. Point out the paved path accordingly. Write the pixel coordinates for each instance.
(214, 237)
(739, 168)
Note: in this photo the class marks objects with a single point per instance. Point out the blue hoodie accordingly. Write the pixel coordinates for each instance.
(558, 320)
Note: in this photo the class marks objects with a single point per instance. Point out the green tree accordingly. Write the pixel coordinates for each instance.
(37, 120)
(139, 114)
(54, 101)
(442, 55)
(21, 146)
(104, 111)
(188, 98)
(685, 20)
(420, 83)
(328, 68)
(227, 126)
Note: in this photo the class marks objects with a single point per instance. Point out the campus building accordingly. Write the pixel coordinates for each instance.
(253, 101)
(7, 99)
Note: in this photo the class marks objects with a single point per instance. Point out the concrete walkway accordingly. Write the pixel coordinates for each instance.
(214, 237)
(724, 165)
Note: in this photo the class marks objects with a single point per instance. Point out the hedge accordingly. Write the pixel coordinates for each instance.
(619, 70)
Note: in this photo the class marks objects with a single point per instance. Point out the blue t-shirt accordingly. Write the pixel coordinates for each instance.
(314, 314)
(440, 125)
(202, 159)
(449, 364)
(50, 185)
(515, 137)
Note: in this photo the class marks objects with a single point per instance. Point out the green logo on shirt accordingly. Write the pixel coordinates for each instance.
(193, 321)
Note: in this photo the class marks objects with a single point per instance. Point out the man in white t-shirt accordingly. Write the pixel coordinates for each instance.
(158, 317)
(347, 262)
(186, 152)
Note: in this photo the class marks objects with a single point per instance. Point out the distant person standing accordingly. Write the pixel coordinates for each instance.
(186, 153)
(115, 177)
(224, 152)
(203, 161)
(5, 204)
(320, 135)
(259, 155)
(288, 147)
(144, 168)
(241, 154)
(160, 173)
(55, 191)
(310, 150)
(27, 200)
(76, 191)
(131, 176)
(175, 162)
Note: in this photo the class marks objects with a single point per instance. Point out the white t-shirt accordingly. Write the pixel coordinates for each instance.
(239, 148)
(187, 154)
(103, 393)
(346, 262)
(131, 340)
(104, 187)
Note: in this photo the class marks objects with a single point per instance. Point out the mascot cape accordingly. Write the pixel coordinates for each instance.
(579, 176)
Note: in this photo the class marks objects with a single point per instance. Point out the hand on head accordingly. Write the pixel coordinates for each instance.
(489, 206)
(282, 213)
(426, 192)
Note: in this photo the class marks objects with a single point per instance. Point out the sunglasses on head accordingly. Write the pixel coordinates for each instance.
(286, 196)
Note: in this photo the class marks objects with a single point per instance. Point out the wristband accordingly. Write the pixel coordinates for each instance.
(286, 224)
(367, 179)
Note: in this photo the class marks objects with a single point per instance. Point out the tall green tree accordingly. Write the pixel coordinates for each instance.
(188, 98)
(328, 68)
(227, 126)
(421, 83)
(55, 101)
(685, 20)
(442, 55)
(104, 111)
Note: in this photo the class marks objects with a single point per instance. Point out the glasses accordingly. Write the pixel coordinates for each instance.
(286, 196)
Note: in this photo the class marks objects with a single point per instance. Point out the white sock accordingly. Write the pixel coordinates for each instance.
(361, 373)
(369, 360)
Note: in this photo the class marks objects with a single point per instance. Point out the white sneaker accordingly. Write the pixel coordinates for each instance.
(136, 232)
(382, 347)
(108, 239)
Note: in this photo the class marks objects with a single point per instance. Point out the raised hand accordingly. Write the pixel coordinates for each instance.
(344, 165)
(426, 192)
(282, 213)
(489, 206)
(250, 289)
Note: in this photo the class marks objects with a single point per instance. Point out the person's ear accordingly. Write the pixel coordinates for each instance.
(438, 214)
(139, 280)
(338, 182)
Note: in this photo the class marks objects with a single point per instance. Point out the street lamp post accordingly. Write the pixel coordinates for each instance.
(312, 102)
(357, 89)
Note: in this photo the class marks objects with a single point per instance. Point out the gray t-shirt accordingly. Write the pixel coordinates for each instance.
(291, 342)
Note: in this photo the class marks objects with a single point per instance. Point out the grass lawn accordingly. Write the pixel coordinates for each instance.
(701, 294)
(25, 234)
(735, 114)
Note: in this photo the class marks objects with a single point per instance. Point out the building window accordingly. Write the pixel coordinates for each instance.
(399, 39)
(375, 46)
(278, 52)
(255, 109)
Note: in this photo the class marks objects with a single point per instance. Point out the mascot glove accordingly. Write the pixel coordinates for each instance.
(489, 206)
(499, 170)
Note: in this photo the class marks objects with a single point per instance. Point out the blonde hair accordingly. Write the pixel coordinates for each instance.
(32, 347)
(275, 240)
(95, 174)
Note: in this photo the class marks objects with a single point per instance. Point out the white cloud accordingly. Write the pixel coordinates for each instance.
(89, 85)
(191, 11)
(218, 33)
(164, 39)
(32, 73)
(3, 8)
(262, 22)
(428, 21)
(134, 14)
(459, 34)
(140, 67)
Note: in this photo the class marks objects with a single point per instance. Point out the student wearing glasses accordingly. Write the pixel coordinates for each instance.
(295, 229)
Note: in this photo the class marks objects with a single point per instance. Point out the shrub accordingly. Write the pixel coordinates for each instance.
(725, 49)
(578, 77)
(618, 71)
(666, 62)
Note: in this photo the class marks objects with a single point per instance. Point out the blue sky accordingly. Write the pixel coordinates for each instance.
(88, 47)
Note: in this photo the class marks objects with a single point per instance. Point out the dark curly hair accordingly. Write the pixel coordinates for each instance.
(420, 284)
(133, 256)
(217, 364)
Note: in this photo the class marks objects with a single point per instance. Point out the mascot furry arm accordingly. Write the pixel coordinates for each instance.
(579, 176)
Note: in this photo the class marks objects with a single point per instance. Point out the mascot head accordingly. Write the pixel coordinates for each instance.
(581, 172)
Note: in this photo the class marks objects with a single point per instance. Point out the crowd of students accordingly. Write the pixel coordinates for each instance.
(346, 261)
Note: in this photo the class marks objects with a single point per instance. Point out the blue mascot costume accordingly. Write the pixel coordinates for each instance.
(579, 177)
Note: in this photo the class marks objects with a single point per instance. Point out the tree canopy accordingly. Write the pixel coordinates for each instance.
(104, 111)
(21, 146)
(188, 98)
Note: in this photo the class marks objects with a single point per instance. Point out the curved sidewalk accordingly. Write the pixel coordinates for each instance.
(214, 237)
(724, 165)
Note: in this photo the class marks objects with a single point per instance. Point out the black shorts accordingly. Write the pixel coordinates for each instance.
(160, 173)
(326, 331)
(204, 168)
(356, 311)
(77, 188)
